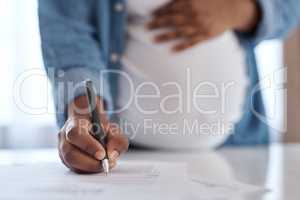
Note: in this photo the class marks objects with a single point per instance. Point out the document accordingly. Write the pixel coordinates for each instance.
(129, 180)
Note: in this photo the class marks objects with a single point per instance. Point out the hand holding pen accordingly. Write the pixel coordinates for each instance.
(78, 149)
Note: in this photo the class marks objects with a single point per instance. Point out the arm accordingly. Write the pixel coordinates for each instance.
(71, 50)
(253, 20)
(72, 54)
(278, 18)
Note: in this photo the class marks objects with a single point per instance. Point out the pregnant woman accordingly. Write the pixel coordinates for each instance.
(180, 99)
(174, 74)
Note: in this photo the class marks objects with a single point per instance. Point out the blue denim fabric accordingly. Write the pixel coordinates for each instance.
(83, 38)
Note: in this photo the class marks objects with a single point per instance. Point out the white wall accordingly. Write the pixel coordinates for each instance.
(20, 59)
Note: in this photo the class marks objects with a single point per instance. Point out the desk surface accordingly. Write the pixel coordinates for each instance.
(277, 169)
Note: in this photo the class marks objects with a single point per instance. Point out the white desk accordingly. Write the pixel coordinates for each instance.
(276, 169)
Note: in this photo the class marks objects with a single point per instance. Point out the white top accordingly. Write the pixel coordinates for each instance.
(215, 68)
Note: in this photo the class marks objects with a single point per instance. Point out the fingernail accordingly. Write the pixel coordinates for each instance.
(99, 155)
(112, 164)
(114, 155)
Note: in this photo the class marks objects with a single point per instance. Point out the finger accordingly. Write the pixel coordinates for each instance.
(189, 31)
(117, 143)
(171, 35)
(167, 21)
(172, 8)
(77, 134)
(77, 160)
(61, 140)
(112, 164)
(163, 7)
(186, 31)
(189, 43)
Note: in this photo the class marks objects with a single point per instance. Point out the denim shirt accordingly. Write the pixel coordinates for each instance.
(83, 38)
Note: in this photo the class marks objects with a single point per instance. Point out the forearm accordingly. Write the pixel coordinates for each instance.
(277, 19)
(71, 52)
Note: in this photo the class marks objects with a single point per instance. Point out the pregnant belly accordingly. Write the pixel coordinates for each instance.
(195, 97)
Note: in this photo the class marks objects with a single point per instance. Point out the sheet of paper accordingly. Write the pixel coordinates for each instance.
(125, 173)
(54, 179)
(130, 180)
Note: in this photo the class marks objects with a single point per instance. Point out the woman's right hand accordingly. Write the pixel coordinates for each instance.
(195, 21)
(78, 149)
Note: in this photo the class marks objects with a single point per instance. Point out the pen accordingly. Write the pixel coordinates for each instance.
(98, 132)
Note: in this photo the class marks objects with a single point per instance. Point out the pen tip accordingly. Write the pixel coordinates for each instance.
(105, 166)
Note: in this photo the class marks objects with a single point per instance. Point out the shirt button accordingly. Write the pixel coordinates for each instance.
(114, 58)
(119, 7)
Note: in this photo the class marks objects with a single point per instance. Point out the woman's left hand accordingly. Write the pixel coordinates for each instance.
(194, 21)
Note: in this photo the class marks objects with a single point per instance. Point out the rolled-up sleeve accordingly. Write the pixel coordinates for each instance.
(71, 50)
(278, 18)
